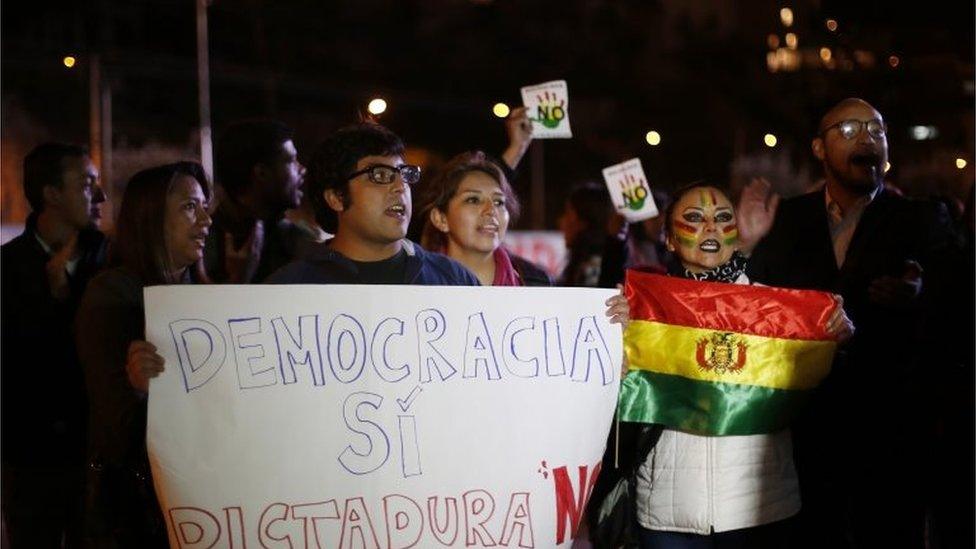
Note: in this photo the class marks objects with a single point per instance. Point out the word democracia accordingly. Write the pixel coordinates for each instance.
(318, 348)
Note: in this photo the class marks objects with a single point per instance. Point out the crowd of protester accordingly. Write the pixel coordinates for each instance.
(877, 459)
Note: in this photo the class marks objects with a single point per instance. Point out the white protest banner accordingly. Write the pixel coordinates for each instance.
(378, 416)
(548, 108)
(629, 190)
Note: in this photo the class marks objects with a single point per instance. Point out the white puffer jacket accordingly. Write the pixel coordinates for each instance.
(701, 484)
(704, 484)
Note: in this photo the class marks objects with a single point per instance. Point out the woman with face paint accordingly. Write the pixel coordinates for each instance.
(718, 491)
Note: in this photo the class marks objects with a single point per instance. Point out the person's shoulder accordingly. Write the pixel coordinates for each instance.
(17, 245)
(113, 285)
(805, 200)
(300, 271)
(532, 274)
(448, 271)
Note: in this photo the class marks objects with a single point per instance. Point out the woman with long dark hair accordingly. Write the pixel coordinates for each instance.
(162, 226)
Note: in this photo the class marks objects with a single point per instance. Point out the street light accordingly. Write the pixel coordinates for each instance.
(770, 140)
(960, 163)
(786, 16)
(377, 106)
(69, 61)
(653, 138)
(501, 110)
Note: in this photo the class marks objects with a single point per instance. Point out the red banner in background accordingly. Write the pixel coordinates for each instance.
(546, 249)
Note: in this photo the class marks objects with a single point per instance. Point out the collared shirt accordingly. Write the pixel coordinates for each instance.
(72, 263)
(843, 223)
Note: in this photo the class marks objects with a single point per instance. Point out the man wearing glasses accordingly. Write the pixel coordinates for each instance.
(859, 454)
(359, 187)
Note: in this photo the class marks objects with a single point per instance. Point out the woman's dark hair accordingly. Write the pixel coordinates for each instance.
(440, 190)
(140, 242)
(593, 207)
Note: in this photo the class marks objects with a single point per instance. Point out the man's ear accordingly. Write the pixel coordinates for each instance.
(818, 148)
(51, 194)
(439, 220)
(260, 172)
(334, 199)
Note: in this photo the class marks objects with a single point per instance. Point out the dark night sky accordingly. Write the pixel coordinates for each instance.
(695, 71)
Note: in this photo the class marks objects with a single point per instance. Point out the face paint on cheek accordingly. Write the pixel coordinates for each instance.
(730, 235)
(685, 234)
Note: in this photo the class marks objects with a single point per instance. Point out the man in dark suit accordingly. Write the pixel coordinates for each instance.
(42, 403)
(861, 445)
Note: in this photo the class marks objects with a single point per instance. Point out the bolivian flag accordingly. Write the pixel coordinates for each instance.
(721, 359)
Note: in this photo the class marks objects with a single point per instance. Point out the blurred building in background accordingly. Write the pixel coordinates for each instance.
(733, 90)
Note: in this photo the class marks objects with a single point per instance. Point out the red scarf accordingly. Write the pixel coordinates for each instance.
(505, 273)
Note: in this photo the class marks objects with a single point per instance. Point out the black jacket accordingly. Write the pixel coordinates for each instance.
(44, 408)
(530, 273)
(875, 392)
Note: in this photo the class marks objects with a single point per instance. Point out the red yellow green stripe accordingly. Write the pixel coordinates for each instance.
(685, 234)
(730, 235)
(722, 359)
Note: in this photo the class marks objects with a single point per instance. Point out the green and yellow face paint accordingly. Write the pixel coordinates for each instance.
(730, 235)
(686, 235)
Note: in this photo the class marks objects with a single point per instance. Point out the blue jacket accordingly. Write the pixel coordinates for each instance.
(326, 266)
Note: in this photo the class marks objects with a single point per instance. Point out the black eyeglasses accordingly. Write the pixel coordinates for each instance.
(850, 128)
(381, 174)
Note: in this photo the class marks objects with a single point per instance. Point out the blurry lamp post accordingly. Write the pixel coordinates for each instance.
(770, 140)
(653, 138)
(203, 89)
(960, 163)
(69, 61)
(501, 110)
(100, 125)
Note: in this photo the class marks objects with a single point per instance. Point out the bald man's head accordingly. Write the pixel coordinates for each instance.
(851, 144)
(836, 113)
